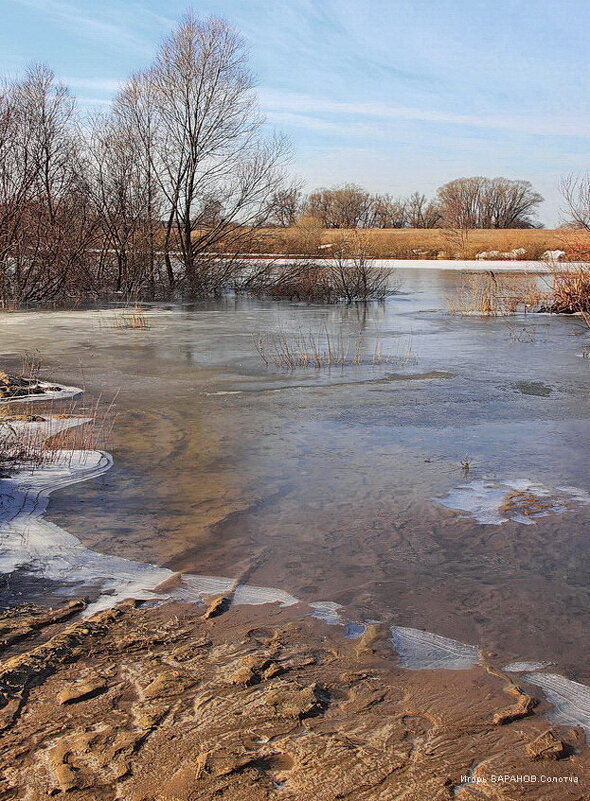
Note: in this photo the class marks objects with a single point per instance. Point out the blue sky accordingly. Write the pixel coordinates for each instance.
(396, 95)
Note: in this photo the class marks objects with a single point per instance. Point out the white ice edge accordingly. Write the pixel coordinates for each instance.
(482, 500)
(455, 265)
(421, 650)
(569, 699)
(30, 542)
(64, 393)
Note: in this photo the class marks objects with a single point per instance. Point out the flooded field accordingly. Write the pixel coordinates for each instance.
(437, 479)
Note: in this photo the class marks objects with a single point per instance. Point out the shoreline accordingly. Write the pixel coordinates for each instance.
(421, 659)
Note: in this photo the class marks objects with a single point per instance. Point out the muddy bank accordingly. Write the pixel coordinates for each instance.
(177, 702)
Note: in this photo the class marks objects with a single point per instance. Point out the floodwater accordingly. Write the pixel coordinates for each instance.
(440, 484)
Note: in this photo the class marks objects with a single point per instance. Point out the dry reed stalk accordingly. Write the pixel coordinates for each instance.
(323, 351)
(21, 447)
(491, 294)
(134, 318)
(571, 291)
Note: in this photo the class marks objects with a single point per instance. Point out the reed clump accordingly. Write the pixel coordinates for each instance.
(128, 318)
(570, 292)
(491, 294)
(323, 350)
(25, 445)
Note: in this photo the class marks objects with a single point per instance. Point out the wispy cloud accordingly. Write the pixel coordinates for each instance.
(300, 108)
(90, 26)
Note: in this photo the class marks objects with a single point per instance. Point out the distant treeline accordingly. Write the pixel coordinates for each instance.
(464, 203)
(167, 191)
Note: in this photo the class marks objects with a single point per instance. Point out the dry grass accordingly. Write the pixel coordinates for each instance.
(494, 294)
(417, 243)
(321, 350)
(571, 292)
(128, 318)
(22, 447)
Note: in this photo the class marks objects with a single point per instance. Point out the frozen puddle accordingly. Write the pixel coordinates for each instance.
(523, 501)
(31, 543)
(525, 667)
(328, 611)
(420, 650)
(570, 700)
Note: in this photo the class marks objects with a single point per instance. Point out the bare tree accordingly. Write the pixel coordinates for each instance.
(286, 205)
(127, 205)
(421, 212)
(48, 227)
(346, 206)
(207, 144)
(479, 202)
(575, 190)
(387, 213)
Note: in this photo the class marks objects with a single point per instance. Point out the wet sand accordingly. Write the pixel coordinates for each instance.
(170, 704)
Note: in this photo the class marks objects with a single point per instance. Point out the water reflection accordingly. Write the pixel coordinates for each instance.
(324, 482)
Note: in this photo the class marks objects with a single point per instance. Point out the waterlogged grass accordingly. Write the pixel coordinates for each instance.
(495, 294)
(30, 439)
(322, 350)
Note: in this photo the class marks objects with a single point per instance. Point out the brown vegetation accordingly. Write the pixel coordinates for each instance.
(412, 243)
(571, 292)
(349, 275)
(319, 350)
(493, 294)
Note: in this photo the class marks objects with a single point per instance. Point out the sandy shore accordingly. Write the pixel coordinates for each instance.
(247, 693)
(177, 703)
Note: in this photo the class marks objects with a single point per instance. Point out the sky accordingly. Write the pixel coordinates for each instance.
(395, 95)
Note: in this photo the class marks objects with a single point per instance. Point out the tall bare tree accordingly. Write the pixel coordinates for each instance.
(124, 193)
(286, 205)
(48, 227)
(386, 212)
(421, 212)
(208, 146)
(346, 206)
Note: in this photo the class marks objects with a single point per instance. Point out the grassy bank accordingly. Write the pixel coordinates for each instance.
(418, 243)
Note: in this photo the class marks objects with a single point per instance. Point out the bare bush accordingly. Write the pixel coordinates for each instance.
(570, 293)
(355, 276)
(348, 276)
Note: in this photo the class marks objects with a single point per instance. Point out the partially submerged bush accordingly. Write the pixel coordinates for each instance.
(348, 276)
(571, 292)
